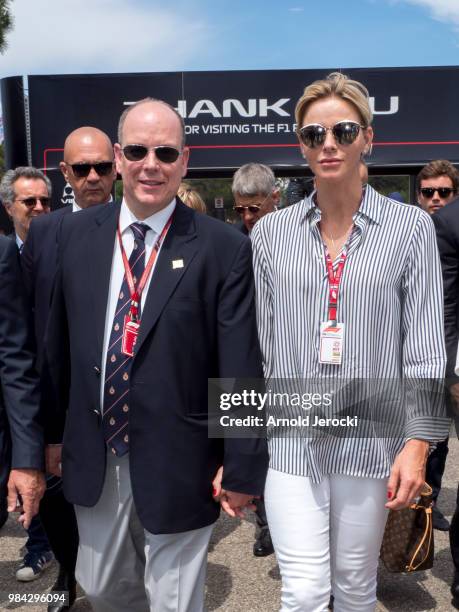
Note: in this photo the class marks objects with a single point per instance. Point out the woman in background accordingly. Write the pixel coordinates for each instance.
(191, 198)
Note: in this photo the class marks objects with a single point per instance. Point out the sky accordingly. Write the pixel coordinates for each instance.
(93, 36)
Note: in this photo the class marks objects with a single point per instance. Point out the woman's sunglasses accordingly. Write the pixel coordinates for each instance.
(344, 132)
(165, 154)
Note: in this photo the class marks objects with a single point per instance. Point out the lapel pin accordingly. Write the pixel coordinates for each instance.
(177, 263)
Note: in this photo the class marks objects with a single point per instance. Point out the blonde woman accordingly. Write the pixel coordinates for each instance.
(191, 198)
(348, 287)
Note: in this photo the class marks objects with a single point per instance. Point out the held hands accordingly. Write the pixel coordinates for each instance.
(407, 476)
(234, 504)
(53, 456)
(26, 486)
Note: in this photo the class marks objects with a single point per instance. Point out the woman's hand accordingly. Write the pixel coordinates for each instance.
(407, 476)
(217, 484)
(233, 503)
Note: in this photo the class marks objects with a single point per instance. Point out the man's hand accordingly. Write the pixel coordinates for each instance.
(30, 485)
(234, 503)
(454, 390)
(53, 456)
(407, 476)
(231, 502)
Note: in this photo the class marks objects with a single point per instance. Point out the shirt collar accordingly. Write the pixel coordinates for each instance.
(156, 221)
(76, 207)
(370, 207)
(19, 242)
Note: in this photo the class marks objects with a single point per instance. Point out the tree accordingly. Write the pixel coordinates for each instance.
(2, 161)
(6, 23)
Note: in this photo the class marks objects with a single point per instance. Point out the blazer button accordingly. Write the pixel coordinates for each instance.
(97, 370)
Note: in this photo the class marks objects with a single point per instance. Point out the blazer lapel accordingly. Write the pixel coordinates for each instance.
(177, 252)
(100, 255)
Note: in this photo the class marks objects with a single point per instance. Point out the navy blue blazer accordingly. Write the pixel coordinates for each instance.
(39, 265)
(21, 434)
(198, 323)
(446, 222)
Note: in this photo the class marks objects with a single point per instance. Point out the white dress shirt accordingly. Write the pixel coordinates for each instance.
(156, 222)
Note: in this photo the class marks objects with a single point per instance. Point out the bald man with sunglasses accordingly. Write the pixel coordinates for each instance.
(88, 166)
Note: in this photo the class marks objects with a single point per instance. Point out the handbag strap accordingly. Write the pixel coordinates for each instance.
(411, 567)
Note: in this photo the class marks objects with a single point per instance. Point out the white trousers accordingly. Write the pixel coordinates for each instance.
(327, 538)
(122, 567)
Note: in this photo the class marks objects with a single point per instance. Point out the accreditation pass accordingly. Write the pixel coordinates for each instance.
(331, 342)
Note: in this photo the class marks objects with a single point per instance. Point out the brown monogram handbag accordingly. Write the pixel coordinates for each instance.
(408, 543)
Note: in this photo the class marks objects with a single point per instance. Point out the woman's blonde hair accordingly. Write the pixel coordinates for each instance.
(341, 86)
(191, 198)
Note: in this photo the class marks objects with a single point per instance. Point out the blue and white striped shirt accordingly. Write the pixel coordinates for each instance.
(390, 301)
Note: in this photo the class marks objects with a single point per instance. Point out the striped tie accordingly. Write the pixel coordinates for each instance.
(117, 370)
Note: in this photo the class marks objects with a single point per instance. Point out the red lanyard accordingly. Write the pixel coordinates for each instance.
(334, 281)
(136, 293)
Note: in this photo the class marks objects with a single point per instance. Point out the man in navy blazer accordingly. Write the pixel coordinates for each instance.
(137, 459)
(21, 434)
(446, 222)
(88, 166)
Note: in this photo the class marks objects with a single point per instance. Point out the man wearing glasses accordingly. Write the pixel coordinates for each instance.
(162, 299)
(437, 185)
(26, 194)
(255, 194)
(88, 166)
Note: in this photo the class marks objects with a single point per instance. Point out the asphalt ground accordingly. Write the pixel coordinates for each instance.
(239, 582)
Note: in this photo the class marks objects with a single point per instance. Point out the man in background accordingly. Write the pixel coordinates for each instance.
(88, 166)
(446, 223)
(437, 185)
(26, 194)
(255, 195)
(21, 434)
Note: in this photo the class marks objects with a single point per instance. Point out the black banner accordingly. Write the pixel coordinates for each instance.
(236, 117)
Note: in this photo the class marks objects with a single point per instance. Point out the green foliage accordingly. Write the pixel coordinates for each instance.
(387, 184)
(6, 23)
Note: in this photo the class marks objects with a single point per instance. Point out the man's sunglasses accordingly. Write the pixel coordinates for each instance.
(253, 208)
(82, 170)
(443, 192)
(29, 202)
(344, 132)
(165, 154)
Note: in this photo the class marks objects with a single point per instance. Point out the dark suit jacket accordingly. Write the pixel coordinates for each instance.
(39, 265)
(198, 323)
(446, 223)
(240, 226)
(21, 435)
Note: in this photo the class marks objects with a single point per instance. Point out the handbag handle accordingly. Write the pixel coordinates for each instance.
(411, 567)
